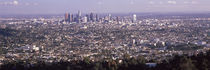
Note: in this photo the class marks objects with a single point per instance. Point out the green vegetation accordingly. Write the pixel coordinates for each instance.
(196, 62)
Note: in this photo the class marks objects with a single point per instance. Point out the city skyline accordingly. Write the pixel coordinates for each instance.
(104, 34)
(101, 6)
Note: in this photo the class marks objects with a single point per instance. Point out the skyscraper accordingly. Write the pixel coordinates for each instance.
(97, 18)
(91, 17)
(85, 19)
(71, 18)
(109, 17)
(134, 18)
(79, 13)
(79, 16)
(67, 17)
(118, 19)
(88, 18)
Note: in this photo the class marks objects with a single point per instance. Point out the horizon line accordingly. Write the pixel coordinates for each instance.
(122, 13)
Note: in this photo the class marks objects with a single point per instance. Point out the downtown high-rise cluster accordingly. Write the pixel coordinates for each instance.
(93, 17)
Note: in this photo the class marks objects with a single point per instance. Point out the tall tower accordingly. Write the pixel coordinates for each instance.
(134, 18)
(67, 17)
(97, 18)
(91, 17)
(109, 17)
(85, 19)
(71, 18)
(118, 19)
(79, 16)
(88, 18)
(79, 13)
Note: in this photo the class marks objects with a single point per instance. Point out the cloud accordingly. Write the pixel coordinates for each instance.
(172, 2)
(190, 2)
(16, 3)
(156, 2)
(151, 2)
(194, 2)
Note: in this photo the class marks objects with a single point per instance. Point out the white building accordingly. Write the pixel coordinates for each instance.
(134, 18)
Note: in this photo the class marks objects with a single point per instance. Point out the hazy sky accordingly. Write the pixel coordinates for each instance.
(101, 6)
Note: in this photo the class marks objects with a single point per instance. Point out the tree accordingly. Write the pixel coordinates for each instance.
(87, 60)
(204, 65)
(141, 60)
(187, 64)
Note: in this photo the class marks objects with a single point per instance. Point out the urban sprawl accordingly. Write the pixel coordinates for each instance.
(76, 36)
